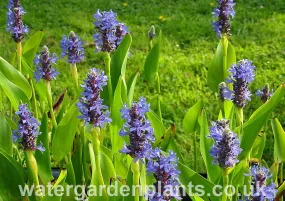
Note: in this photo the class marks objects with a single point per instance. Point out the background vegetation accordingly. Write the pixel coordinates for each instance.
(188, 47)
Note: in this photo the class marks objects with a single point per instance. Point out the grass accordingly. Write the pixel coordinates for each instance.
(188, 47)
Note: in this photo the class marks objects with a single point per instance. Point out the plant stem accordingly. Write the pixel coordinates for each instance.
(158, 97)
(281, 173)
(225, 52)
(136, 179)
(32, 169)
(34, 99)
(95, 132)
(107, 61)
(85, 168)
(74, 72)
(225, 184)
(49, 97)
(19, 55)
(239, 117)
(70, 170)
(195, 150)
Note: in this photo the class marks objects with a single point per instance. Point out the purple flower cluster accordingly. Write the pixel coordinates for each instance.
(265, 93)
(259, 181)
(27, 130)
(138, 128)
(109, 32)
(242, 74)
(43, 63)
(226, 147)
(222, 14)
(90, 104)
(71, 47)
(166, 174)
(14, 22)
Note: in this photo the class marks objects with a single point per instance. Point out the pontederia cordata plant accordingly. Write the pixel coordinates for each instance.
(103, 144)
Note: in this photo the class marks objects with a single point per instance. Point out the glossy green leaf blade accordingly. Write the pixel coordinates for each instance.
(5, 135)
(188, 176)
(131, 87)
(256, 121)
(13, 75)
(119, 60)
(117, 122)
(279, 141)
(31, 47)
(190, 120)
(152, 62)
(43, 158)
(164, 141)
(63, 137)
(10, 178)
(214, 172)
(13, 92)
(216, 71)
(157, 125)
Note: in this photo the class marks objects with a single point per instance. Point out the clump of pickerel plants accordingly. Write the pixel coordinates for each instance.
(105, 138)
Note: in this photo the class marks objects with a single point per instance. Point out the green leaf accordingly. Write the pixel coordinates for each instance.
(259, 145)
(238, 173)
(256, 121)
(59, 181)
(13, 75)
(43, 158)
(63, 137)
(279, 141)
(13, 92)
(190, 176)
(119, 60)
(152, 62)
(40, 87)
(11, 178)
(11, 123)
(216, 71)
(173, 146)
(31, 47)
(157, 125)
(5, 135)
(213, 171)
(117, 122)
(190, 120)
(108, 173)
(131, 87)
(164, 141)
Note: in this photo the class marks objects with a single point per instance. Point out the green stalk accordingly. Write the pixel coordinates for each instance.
(49, 97)
(70, 170)
(107, 61)
(19, 55)
(195, 150)
(32, 169)
(239, 118)
(74, 72)
(225, 54)
(281, 176)
(95, 132)
(34, 99)
(158, 97)
(225, 184)
(85, 168)
(136, 178)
